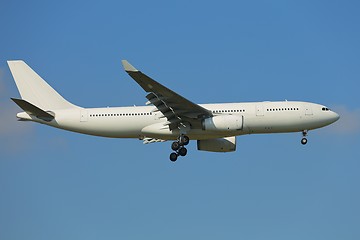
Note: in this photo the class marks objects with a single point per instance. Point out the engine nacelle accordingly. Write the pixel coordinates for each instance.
(223, 123)
(227, 144)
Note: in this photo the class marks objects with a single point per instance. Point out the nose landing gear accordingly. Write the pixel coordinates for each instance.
(178, 147)
(304, 139)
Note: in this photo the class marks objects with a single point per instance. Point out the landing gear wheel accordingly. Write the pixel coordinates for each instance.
(304, 141)
(184, 140)
(175, 146)
(178, 147)
(182, 151)
(173, 157)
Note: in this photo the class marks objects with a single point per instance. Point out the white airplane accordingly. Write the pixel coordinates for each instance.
(170, 116)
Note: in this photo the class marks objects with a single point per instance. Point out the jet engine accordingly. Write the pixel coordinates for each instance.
(227, 144)
(223, 123)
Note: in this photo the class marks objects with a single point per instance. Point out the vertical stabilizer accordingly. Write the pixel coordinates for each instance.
(34, 89)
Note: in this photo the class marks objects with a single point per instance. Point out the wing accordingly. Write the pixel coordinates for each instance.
(174, 107)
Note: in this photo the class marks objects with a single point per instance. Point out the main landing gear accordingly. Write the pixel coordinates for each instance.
(304, 139)
(178, 147)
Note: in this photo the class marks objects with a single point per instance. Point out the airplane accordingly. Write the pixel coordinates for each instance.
(167, 115)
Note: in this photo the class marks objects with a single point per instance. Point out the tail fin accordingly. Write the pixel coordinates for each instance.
(34, 89)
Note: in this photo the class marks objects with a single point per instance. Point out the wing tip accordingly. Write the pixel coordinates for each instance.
(11, 62)
(128, 67)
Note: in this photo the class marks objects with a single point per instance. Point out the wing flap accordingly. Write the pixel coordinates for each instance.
(152, 140)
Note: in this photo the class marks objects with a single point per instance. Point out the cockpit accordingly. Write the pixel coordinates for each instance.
(325, 109)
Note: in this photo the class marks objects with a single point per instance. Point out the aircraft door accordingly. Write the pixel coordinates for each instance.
(83, 115)
(259, 110)
(308, 110)
(156, 115)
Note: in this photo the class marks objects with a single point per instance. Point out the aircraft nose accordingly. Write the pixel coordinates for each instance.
(335, 117)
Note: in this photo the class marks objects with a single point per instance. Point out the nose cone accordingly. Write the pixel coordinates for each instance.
(334, 117)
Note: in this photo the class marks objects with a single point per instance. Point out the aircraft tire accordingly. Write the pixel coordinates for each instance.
(175, 146)
(185, 140)
(182, 151)
(304, 141)
(173, 157)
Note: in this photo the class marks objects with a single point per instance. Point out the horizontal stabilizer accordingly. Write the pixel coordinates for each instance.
(33, 110)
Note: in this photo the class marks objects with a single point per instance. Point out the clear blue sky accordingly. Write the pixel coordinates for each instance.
(61, 185)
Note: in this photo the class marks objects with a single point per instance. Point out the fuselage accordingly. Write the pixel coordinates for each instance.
(145, 122)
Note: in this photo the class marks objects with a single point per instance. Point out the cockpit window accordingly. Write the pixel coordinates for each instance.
(325, 109)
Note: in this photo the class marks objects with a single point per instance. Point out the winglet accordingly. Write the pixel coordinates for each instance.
(128, 67)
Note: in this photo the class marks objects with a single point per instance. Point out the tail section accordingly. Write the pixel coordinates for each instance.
(34, 89)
